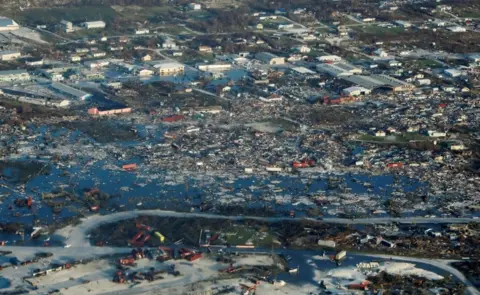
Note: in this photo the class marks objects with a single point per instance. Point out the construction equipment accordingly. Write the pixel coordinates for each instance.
(160, 237)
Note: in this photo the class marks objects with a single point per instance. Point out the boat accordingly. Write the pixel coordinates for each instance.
(293, 270)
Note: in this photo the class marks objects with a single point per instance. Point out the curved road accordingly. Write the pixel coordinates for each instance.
(77, 236)
(439, 263)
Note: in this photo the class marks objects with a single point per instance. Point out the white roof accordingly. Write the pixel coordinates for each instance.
(329, 57)
(303, 70)
(374, 81)
(70, 90)
(98, 22)
(338, 69)
(355, 88)
(453, 71)
(168, 64)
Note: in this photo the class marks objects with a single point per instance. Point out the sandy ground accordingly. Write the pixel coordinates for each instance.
(199, 276)
(96, 277)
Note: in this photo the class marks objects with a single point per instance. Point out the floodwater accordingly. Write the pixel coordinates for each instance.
(153, 187)
(313, 266)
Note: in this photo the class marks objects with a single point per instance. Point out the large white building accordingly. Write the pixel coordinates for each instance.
(94, 25)
(457, 29)
(453, 73)
(329, 58)
(70, 91)
(356, 91)
(66, 26)
(169, 44)
(270, 58)
(169, 68)
(7, 24)
(195, 6)
(373, 82)
(339, 69)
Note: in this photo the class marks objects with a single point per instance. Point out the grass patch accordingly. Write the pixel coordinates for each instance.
(468, 12)
(153, 14)
(51, 16)
(240, 235)
(379, 31)
(427, 63)
(192, 57)
(174, 30)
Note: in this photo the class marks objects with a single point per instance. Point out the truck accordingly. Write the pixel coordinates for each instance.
(127, 261)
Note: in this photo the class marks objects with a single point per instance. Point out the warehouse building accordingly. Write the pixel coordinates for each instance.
(66, 26)
(169, 68)
(70, 91)
(339, 69)
(14, 76)
(379, 81)
(94, 25)
(329, 58)
(7, 24)
(270, 58)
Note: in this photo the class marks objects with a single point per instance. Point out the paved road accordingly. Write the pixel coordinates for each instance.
(78, 236)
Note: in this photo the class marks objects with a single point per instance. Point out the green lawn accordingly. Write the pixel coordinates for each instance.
(240, 235)
(427, 63)
(51, 16)
(192, 57)
(468, 12)
(377, 30)
(153, 14)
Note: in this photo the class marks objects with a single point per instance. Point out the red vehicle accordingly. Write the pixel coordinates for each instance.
(184, 252)
(127, 261)
(173, 118)
(395, 165)
(194, 257)
(129, 167)
(305, 163)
